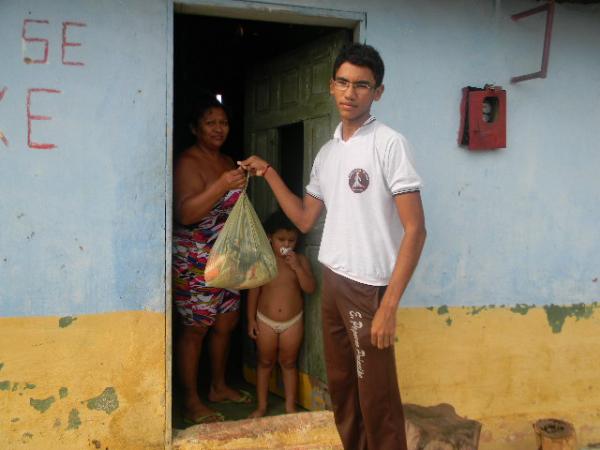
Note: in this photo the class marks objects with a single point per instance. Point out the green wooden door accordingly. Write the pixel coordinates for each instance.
(287, 99)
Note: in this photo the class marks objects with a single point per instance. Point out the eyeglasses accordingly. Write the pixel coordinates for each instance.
(360, 87)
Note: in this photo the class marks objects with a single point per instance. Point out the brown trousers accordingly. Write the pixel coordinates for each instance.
(362, 379)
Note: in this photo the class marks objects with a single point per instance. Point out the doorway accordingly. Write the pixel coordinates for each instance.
(219, 55)
(291, 154)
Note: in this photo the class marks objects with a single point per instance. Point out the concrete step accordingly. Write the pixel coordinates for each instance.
(300, 431)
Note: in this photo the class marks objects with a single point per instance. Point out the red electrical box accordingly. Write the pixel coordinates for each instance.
(483, 118)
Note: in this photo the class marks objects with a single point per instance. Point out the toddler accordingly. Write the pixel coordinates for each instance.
(275, 313)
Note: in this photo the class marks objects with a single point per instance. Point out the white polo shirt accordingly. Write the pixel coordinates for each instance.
(357, 180)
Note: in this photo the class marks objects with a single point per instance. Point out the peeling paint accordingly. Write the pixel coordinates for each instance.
(107, 401)
(429, 308)
(63, 392)
(448, 321)
(4, 385)
(66, 321)
(557, 314)
(521, 308)
(27, 437)
(1, 365)
(14, 419)
(57, 423)
(42, 405)
(476, 310)
(29, 386)
(15, 386)
(97, 443)
(74, 420)
(442, 310)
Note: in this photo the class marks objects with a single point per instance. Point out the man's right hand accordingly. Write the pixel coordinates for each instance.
(254, 164)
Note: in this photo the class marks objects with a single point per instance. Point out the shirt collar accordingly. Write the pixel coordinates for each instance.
(338, 131)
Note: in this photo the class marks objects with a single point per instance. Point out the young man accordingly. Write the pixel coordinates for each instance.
(373, 236)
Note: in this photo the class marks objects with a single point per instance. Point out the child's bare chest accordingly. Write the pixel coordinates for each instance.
(286, 273)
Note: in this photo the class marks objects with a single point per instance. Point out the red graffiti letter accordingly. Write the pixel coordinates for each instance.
(30, 143)
(30, 39)
(2, 135)
(66, 43)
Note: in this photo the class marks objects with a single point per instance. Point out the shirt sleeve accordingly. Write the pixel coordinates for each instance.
(314, 186)
(399, 167)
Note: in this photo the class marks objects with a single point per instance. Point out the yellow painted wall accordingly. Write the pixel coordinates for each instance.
(506, 367)
(93, 381)
(100, 379)
(503, 366)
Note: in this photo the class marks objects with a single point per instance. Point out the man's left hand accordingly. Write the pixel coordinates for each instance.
(383, 327)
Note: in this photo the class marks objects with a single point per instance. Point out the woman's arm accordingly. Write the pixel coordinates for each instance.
(193, 197)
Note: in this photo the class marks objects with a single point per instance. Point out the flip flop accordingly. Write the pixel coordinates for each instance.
(208, 418)
(245, 398)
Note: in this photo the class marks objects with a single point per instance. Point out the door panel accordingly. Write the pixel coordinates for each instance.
(288, 89)
(264, 143)
(317, 131)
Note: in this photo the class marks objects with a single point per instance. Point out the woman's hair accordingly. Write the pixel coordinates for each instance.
(279, 221)
(201, 105)
(361, 55)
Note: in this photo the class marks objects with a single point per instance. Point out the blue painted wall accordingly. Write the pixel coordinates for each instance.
(83, 224)
(518, 225)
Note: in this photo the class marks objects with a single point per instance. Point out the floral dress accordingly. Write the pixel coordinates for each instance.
(196, 303)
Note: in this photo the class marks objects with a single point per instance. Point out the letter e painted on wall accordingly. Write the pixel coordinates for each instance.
(31, 117)
(66, 43)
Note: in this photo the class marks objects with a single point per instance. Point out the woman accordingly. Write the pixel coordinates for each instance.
(206, 186)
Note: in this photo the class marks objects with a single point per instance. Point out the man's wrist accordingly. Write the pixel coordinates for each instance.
(388, 304)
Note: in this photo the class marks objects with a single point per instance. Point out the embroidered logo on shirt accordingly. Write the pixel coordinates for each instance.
(358, 180)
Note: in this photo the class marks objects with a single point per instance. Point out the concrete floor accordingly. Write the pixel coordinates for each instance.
(306, 430)
(233, 411)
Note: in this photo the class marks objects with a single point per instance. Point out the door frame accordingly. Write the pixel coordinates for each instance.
(277, 12)
(247, 10)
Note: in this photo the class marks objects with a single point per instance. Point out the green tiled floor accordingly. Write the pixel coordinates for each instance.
(233, 411)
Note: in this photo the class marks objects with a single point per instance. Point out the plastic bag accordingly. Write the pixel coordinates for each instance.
(242, 257)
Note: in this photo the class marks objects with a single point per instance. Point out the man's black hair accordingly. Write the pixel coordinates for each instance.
(361, 55)
(279, 221)
(201, 105)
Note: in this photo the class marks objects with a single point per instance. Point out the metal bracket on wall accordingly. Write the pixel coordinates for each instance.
(549, 8)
